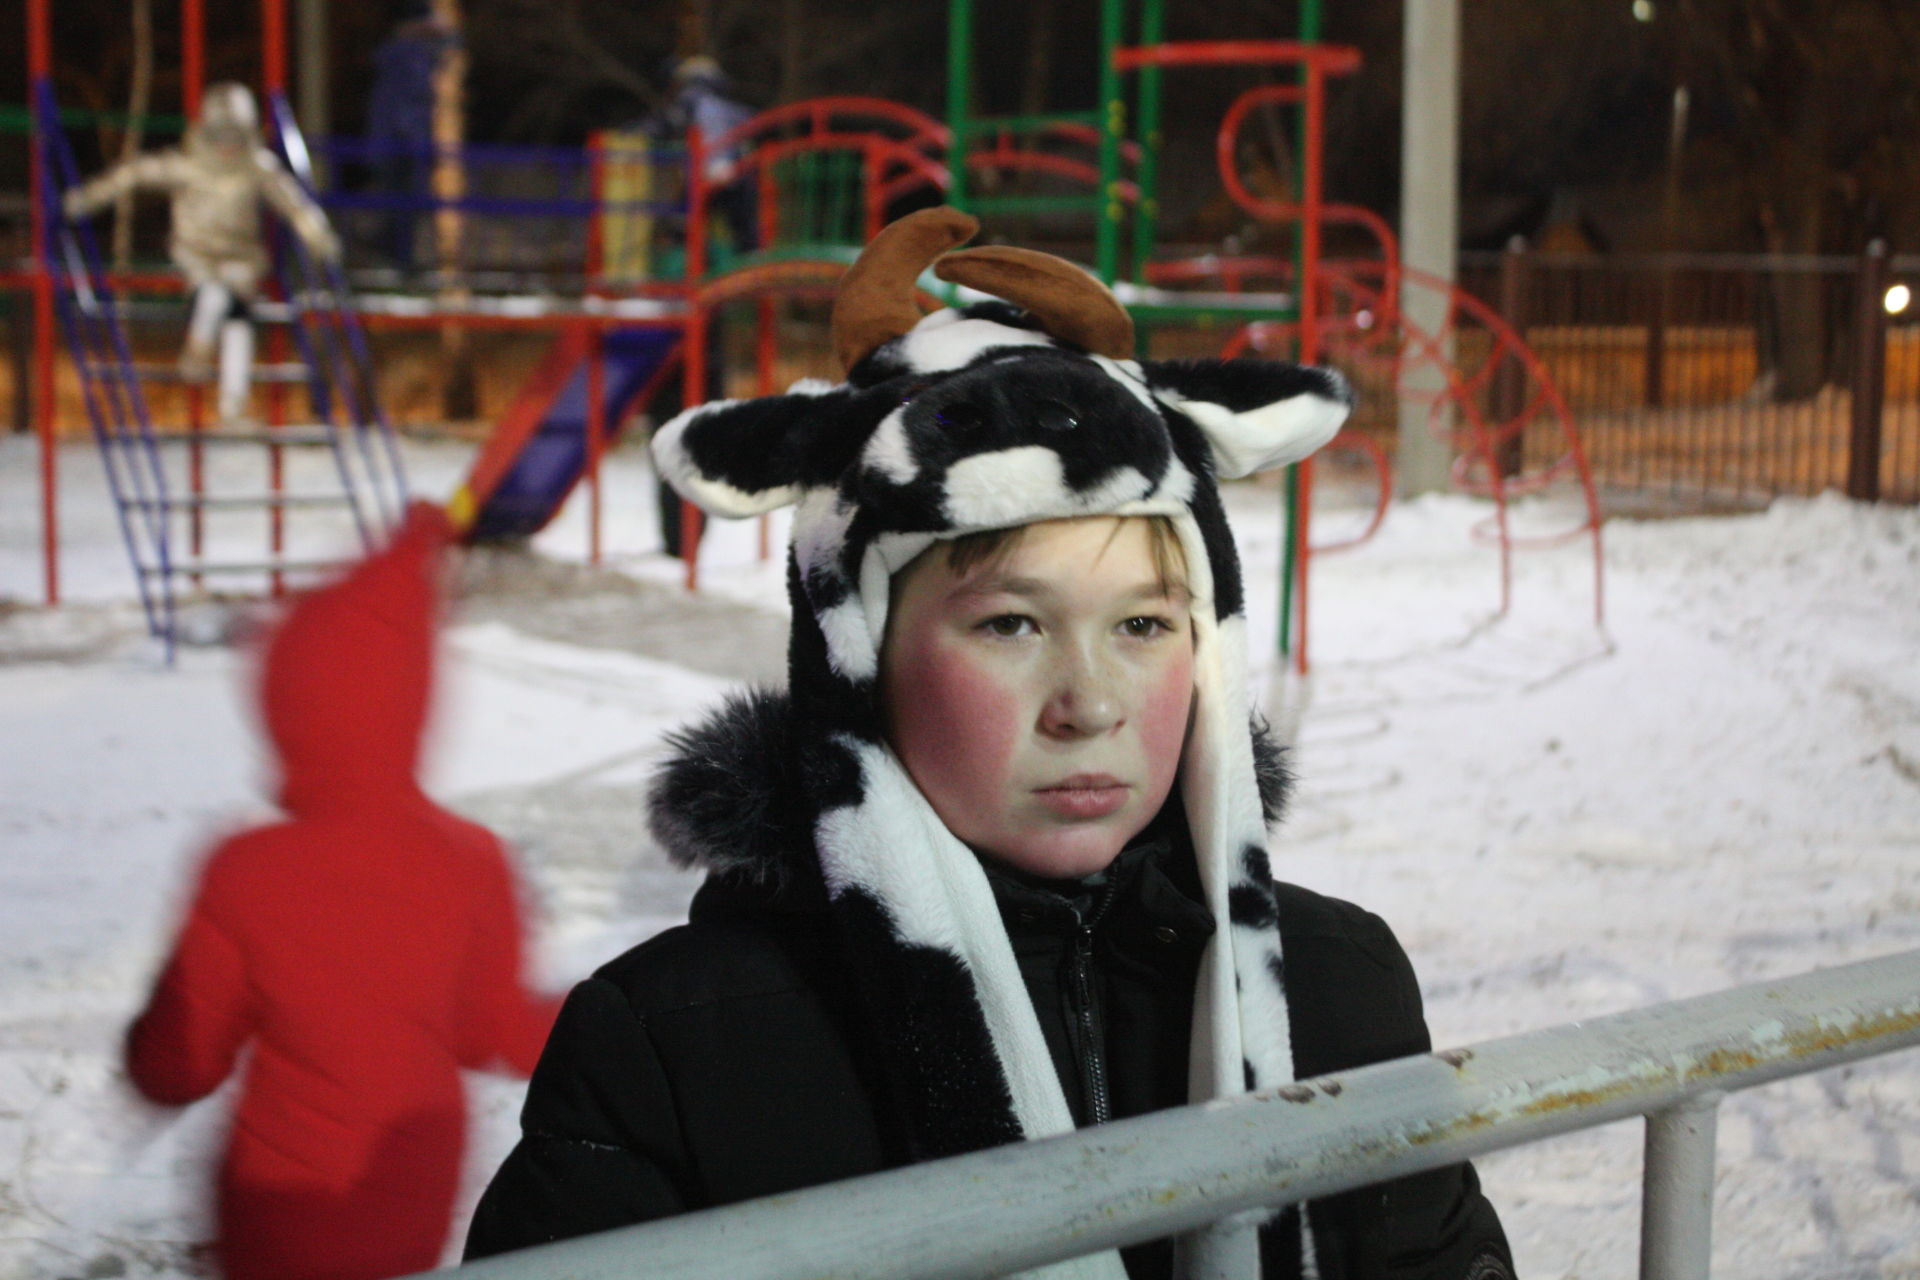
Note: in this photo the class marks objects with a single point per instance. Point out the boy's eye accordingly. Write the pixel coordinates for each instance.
(1009, 624)
(1146, 627)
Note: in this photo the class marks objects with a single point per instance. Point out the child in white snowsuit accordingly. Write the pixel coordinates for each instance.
(217, 179)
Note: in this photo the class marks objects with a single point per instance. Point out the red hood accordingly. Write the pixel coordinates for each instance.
(348, 674)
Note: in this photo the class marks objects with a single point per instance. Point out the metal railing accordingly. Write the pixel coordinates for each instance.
(1709, 379)
(1011, 1208)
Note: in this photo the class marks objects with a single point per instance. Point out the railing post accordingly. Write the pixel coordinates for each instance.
(20, 349)
(1869, 376)
(1676, 1191)
(1655, 358)
(1508, 395)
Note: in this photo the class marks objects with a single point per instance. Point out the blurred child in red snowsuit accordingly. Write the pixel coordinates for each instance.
(364, 950)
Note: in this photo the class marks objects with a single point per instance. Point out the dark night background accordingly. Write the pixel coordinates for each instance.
(1803, 131)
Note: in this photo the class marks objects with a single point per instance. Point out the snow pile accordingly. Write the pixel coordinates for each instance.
(1559, 822)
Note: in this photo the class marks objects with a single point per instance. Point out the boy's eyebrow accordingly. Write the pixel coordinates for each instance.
(1036, 589)
(1000, 584)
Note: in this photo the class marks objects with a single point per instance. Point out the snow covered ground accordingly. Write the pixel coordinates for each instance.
(1724, 787)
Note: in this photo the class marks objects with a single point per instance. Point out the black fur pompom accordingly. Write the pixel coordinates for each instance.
(725, 798)
(1271, 771)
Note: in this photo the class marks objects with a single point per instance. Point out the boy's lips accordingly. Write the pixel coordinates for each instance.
(1085, 795)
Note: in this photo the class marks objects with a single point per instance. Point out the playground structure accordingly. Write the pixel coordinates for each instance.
(1473, 375)
(158, 473)
(825, 175)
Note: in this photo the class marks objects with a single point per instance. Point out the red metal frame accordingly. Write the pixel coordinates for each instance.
(890, 165)
(1330, 59)
(1013, 149)
(1317, 61)
(193, 55)
(1232, 272)
(1376, 285)
(39, 69)
(1004, 155)
(1479, 443)
(818, 114)
(273, 45)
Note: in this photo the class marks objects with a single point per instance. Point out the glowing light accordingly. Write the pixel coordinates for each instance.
(1897, 300)
(1363, 319)
(1643, 10)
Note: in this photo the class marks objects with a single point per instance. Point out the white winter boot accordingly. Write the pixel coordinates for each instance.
(236, 373)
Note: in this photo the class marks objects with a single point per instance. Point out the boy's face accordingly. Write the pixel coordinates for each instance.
(1040, 699)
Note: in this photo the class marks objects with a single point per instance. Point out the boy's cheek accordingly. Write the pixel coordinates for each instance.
(962, 710)
(1169, 708)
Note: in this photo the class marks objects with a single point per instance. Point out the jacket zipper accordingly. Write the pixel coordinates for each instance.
(1093, 1057)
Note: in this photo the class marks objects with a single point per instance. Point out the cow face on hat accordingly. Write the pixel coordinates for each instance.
(994, 414)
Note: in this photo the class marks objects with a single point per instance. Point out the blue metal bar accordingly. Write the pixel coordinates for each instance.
(104, 362)
(294, 268)
(554, 208)
(353, 370)
(486, 153)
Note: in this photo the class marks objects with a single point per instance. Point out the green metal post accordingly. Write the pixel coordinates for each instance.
(1153, 25)
(806, 169)
(959, 97)
(1113, 128)
(1290, 557)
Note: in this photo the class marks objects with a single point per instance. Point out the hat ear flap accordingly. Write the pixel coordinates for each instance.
(748, 457)
(1256, 414)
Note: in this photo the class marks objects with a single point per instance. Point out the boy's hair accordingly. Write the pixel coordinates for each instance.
(989, 546)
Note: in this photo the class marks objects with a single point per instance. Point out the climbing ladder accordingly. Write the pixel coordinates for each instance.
(1015, 143)
(165, 494)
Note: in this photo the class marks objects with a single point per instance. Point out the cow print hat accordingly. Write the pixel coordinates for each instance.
(992, 415)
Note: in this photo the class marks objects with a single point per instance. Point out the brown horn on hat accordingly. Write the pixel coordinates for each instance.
(1067, 300)
(876, 298)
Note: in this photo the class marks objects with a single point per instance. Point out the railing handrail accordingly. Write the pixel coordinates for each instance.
(1007, 1209)
(1735, 262)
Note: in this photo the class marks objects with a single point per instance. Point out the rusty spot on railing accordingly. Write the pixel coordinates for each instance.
(1464, 1124)
(1455, 1058)
(1295, 1093)
(1823, 1038)
(1577, 1099)
(1722, 1062)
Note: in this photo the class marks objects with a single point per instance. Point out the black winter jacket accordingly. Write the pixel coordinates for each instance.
(725, 1060)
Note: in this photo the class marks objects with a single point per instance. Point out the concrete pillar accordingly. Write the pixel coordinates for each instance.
(1429, 221)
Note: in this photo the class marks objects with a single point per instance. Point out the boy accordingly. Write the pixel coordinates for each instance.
(995, 865)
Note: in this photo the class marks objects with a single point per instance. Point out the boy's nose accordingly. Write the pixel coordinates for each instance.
(1089, 699)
